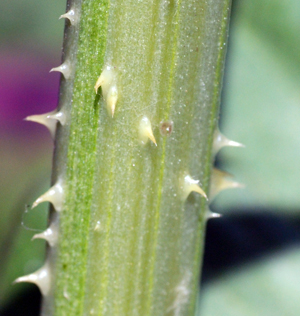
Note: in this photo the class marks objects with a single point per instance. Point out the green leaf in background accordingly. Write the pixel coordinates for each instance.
(262, 106)
(261, 109)
(21, 180)
(269, 288)
(30, 31)
(31, 23)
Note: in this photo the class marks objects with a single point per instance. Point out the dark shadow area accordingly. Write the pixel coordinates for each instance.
(231, 240)
(27, 304)
(244, 236)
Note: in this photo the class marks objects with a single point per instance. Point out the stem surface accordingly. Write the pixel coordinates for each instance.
(130, 243)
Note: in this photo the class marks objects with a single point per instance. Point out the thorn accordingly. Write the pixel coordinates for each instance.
(99, 83)
(64, 68)
(221, 180)
(54, 195)
(105, 80)
(221, 141)
(70, 15)
(112, 98)
(59, 116)
(97, 226)
(50, 235)
(44, 120)
(209, 214)
(49, 120)
(41, 278)
(66, 294)
(190, 185)
(145, 131)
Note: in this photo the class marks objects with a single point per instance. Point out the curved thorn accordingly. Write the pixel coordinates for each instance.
(54, 195)
(64, 68)
(48, 119)
(145, 131)
(44, 120)
(70, 15)
(105, 80)
(50, 235)
(99, 83)
(209, 214)
(221, 180)
(41, 278)
(190, 185)
(221, 141)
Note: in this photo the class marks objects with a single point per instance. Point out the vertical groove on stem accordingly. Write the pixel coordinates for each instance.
(129, 243)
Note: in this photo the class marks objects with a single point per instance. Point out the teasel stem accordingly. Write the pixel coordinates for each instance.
(134, 156)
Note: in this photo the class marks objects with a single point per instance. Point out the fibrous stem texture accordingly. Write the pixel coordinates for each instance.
(140, 94)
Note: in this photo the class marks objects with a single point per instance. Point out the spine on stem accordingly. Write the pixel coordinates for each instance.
(139, 98)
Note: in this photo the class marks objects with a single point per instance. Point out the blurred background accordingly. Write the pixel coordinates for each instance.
(252, 255)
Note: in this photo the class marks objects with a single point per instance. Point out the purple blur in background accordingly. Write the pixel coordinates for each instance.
(26, 88)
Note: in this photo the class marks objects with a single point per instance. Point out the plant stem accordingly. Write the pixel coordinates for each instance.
(130, 243)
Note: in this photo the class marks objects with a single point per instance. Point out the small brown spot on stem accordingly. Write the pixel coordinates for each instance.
(166, 128)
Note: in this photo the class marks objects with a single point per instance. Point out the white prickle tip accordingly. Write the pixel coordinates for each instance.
(70, 15)
(112, 98)
(64, 68)
(209, 214)
(50, 235)
(145, 131)
(49, 120)
(54, 195)
(188, 185)
(41, 278)
(221, 180)
(221, 141)
(108, 82)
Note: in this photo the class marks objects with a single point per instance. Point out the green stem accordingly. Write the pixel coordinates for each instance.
(129, 243)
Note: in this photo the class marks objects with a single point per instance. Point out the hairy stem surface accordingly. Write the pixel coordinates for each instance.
(130, 242)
